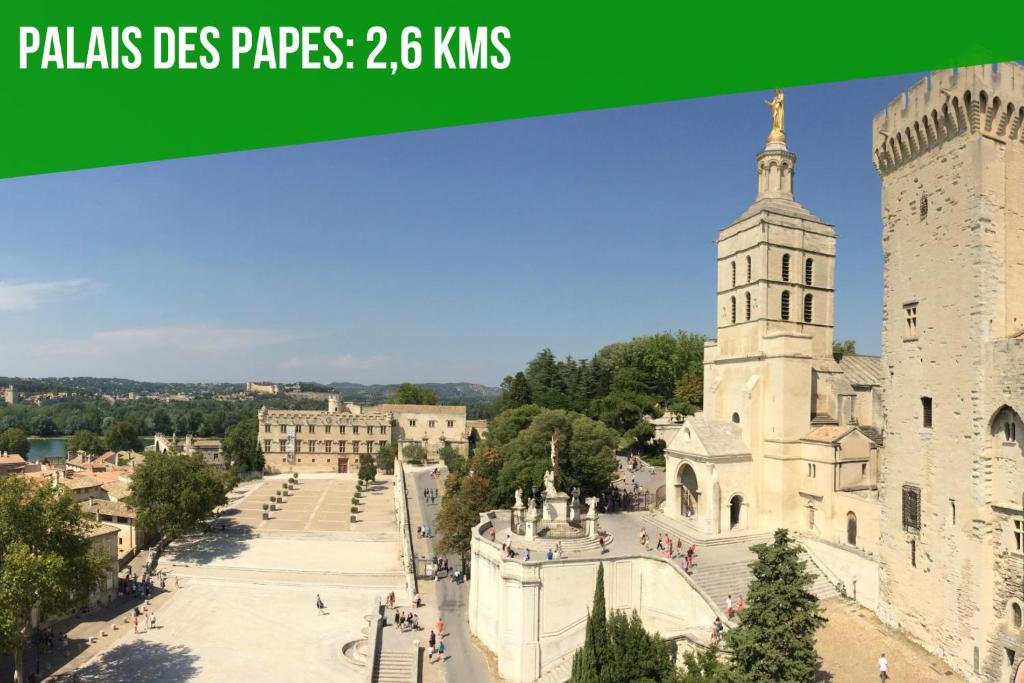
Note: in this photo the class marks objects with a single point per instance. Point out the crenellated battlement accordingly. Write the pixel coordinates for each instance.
(945, 104)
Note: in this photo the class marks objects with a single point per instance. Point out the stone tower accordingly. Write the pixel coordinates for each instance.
(776, 266)
(951, 158)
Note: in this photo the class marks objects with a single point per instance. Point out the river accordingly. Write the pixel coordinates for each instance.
(47, 447)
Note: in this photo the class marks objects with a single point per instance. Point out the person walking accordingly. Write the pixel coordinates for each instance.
(728, 606)
(319, 605)
(430, 654)
(440, 627)
(152, 620)
(440, 652)
(883, 668)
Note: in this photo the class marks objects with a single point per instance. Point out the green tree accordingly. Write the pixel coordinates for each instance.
(847, 347)
(241, 446)
(14, 440)
(172, 493)
(701, 667)
(507, 425)
(588, 664)
(46, 561)
(413, 394)
(85, 441)
(414, 453)
(386, 458)
(688, 393)
(451, 457)
(122, 436)
(515, 391)
(367, 468)
(465, 497)
(634, 654)
(775, 637)
(585, 456)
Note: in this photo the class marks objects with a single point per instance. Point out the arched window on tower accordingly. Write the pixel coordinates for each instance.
(785, 267)
(808, 308)
(750, 269)
(809, 272)
(732, 301)
(784, 313)
(733, 264)
(748, 305)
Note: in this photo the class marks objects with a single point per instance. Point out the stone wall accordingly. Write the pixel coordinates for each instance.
(951, 159)
(532, 615)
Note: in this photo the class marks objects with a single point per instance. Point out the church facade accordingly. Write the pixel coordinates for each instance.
(790, 434)
(923, 490)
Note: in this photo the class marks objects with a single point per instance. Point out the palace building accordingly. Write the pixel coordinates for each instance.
(332, 440)
(903, 474)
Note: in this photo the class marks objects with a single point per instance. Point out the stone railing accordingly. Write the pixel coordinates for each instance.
(404, 529)
(373, 640)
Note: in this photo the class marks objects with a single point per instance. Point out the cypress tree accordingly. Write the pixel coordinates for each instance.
(775, 637)
(588, 662)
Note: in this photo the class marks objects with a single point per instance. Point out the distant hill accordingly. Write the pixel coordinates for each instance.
(450, 392)
(447, 392)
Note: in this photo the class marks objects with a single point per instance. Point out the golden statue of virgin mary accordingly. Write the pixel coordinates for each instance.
(778, 107)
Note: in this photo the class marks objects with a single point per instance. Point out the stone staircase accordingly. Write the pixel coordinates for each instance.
(570, 546)
(392, 667)
(558, 672)
(722, 565)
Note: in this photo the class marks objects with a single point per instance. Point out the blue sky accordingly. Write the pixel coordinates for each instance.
(445, 255)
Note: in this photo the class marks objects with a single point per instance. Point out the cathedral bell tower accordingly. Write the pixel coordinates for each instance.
(776, 267)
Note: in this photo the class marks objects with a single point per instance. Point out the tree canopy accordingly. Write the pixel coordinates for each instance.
(775, 637)
(414, 453)
(172, 492)
(242, 448)
(46, 560)
(15, 442)
(413, 394)
(386, 458)
(465, 495)
(122, 436)
(585, 454)
(845, 347)
(621, 385)
(367, 468)
(451, 457)
(85, 441)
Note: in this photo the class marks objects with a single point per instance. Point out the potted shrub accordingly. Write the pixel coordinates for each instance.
(273, 507)
(355, 509)
(266, 515)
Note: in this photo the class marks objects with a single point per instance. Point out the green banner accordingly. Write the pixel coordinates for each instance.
(96, 84)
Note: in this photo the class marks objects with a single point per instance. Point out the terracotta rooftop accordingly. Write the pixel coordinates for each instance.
(862, 371)
(101, 529)
(422, 409)
(107, 507)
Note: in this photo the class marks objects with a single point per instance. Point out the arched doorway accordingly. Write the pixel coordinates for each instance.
(851, 528)
(688, 492)
(735, 511)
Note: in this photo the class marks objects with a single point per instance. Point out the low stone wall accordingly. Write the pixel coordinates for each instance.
(852, 566)
(532, 615)
(404, 529)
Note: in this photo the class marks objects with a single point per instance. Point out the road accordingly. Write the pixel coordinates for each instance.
(467, 663)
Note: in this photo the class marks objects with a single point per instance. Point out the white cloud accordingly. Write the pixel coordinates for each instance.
(348, 361)
(188, 339)
(29, 296)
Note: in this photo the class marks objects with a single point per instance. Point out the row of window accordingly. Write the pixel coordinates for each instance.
(784, 307)
(808, 270)
(433, 423)
(327, 429)
(327, 446)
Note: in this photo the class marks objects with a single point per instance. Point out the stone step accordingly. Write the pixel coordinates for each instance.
(674, 529)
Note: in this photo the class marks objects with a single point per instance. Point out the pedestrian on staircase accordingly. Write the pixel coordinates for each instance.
(883, 668)
(728, 606)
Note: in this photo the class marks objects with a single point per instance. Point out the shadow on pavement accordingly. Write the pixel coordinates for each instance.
(141, 660)
(216, 544)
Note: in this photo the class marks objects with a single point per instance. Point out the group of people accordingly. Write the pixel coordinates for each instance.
(670, 550)
(435, 643)
(424, 532)
(405, 621)
(131, 585)
(731, 607)
(430, 495)
(148, 622)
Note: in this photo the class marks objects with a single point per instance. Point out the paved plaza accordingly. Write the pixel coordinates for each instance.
(245, 608)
